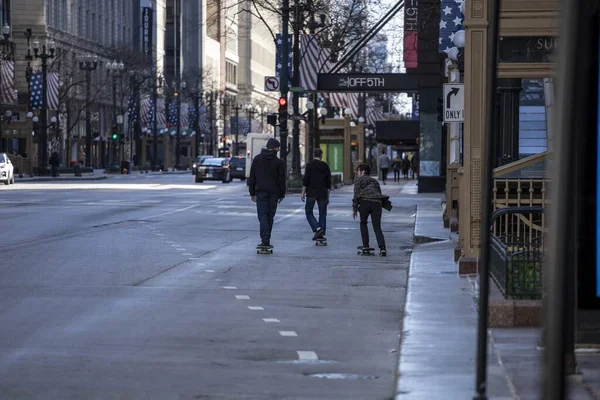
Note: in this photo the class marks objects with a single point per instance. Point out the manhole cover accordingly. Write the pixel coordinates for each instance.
(343, 376)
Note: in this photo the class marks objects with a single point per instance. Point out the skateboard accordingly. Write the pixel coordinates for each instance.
(321, 242)
(365, 251)
(264, 249)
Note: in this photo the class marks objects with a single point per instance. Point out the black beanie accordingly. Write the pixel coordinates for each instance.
(273, 144)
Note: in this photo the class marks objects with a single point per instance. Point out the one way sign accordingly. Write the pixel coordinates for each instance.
(454, 102)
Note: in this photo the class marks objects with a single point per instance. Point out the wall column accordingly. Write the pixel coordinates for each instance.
(470, 181)
(506, 147)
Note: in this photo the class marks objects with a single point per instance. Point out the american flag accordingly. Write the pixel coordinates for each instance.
(203, 122)
(7, 83)
(184, 111)
(147, 110)
(314, 60)
(161, 118)
(192, 114)
(451, 21)
(35, 91)
(415, 107)
(374, 111)
(131, 111)
(173, 117)
(278, 57)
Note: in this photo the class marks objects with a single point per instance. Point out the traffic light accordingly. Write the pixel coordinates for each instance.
(283, 109)
(115, 132)
(272, 119)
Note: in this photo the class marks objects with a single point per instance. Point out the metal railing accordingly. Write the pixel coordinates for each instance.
(516, 251)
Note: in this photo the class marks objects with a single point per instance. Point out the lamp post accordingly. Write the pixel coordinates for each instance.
(251, 112)
(196, 94)
(237, 109)
(177, 84)
(44, 52)
(88, 63)
(310, 106)
(115, 69)
(370, 133)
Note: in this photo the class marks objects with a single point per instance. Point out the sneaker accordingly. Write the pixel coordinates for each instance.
(383, 252)
(264, 245)
(318, 234)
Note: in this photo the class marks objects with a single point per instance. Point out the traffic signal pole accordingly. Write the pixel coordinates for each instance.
(285, 74)
(296, 173)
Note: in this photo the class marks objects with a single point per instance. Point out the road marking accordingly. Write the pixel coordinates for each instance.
(170, 212)
(160, 234)
(288, 333)
(208, 270)
(187, 254)
(293, 213)
(271, 320)
(169, 241)
(307, 355)
(242, 297)
(175, 245)
(229, 288)
(180, 249)
(254, 308)
(194, 258)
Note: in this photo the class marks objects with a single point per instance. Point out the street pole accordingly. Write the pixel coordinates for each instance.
(296, 98)
(43, 141)
(113, 146)
(178, 134)
(283, 129)
(210, 123)
(196, 95)
(237, 128)
(87, 63)
(155, 125)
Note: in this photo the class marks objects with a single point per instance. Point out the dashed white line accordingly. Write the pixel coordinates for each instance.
(160, 234)
(271, 320)
(180, 249)
(195, 258)
(254, 308)
(175, 245)
(169, 242)
(288, 333)
(307, 355)
(208, 270)
(187, 254)
(242, 297)
(229, 288)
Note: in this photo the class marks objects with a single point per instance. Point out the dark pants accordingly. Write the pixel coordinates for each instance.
(266, 207)
(396, 175)
(384, 173)
(312, 221)
(373, 209)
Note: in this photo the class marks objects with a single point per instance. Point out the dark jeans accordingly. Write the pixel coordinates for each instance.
(312, 221)
(266, 207)
(396, 175)
(373, 209)
(384, 173)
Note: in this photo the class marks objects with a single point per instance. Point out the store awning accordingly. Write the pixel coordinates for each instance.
(404, 132)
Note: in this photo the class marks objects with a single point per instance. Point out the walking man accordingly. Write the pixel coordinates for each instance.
(316, 187)
(267, 187)
(384, 165)
(368, 200)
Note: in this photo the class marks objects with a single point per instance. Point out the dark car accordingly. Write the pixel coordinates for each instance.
(237, 165)
(197, 163)
(214, 169)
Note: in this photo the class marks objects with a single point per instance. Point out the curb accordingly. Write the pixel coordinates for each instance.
(74, 179)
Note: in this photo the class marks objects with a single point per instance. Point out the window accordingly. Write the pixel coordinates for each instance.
(231, 73)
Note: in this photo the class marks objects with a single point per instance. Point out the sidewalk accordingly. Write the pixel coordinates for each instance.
(98, 174)
(438, 352)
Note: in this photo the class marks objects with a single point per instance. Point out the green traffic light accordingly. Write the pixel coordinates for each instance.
(115, 136)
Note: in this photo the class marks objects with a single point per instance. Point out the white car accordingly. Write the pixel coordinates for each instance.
(7, 170)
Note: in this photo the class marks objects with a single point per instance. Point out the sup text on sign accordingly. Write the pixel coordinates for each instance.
(454, 102)
(271, 84)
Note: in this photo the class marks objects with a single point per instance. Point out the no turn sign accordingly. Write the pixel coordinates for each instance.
(271, 84)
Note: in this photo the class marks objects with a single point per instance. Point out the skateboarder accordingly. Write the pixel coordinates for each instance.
(267, 187)
(368, 200)
(316, 186)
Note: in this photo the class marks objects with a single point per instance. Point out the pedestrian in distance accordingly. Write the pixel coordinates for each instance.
(397, 166)
(369, 201)
(316, 187)
(384, 165)
(267, 186)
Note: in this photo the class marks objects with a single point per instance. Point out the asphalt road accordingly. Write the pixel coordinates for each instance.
(149, 287)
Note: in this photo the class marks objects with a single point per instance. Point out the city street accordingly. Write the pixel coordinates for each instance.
(149, 287)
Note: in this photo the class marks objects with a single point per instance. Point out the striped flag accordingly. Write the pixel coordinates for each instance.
(131, 105)
(374, 111)
(173, 117)
(7, 83)
(192, 114)
(184, 115)
(161, 119)
(146, 108)
(203, 120)
(52, 94)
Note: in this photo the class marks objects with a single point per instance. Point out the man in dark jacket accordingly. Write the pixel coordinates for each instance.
(267, 186)
(368, 200)
(316, 187)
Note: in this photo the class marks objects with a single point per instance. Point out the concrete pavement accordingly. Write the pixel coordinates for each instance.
(151, 289)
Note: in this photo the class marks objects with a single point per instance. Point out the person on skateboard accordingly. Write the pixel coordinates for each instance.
(368, 200)
(267, 185)
(316, 187)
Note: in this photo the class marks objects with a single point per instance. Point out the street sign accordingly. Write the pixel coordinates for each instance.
(356, 82)
(271, 84)
(119, 119)
(454, 102)
(95, 116)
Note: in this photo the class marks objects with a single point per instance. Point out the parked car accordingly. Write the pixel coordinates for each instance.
(214, 169)
(7, 170)
(198, 161)
(237, 165)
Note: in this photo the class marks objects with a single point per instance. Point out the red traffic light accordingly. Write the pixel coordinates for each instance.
(282, 102)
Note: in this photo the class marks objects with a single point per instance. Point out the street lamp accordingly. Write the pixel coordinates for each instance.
(43, 52)
(88, 63)
(115, 69)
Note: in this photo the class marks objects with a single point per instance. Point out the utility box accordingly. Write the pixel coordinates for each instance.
(255, 142)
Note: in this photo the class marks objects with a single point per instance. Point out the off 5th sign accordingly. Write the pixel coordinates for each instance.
(454, 102)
